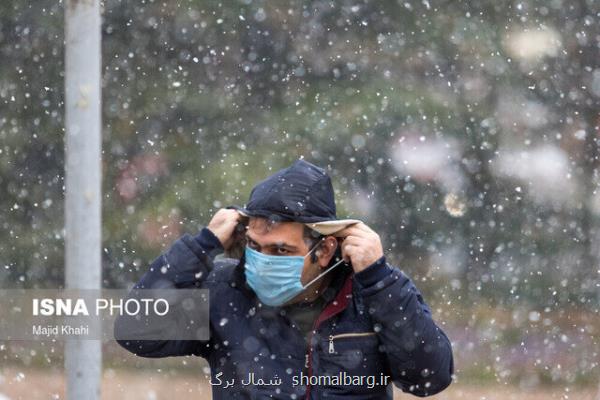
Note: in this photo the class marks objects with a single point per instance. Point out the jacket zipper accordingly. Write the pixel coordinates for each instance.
(345, 335)
(316, 325)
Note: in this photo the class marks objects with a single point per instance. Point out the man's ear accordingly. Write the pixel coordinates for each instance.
(326, 251)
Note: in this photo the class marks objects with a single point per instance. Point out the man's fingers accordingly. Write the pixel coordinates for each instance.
(364, 227)
(347, 250)
(348, 247)
(353, 240)
(342, 233)
(349, 231)
(223, 225)
(355, 231)
(232, 216)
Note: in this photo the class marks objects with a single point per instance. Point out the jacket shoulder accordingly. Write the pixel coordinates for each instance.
(223, 271)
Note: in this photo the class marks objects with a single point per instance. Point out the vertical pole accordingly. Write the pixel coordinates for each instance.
(83, 358)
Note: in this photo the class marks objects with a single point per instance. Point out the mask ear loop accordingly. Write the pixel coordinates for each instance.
(324, 272)
(313, 256)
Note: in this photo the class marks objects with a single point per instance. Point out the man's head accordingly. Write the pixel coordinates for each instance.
(302, 193)
(294, 239)
(289, 213)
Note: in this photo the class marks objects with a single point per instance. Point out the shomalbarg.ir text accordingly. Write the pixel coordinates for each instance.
(341, 379)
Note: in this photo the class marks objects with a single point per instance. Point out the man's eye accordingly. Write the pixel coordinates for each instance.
(281, 250)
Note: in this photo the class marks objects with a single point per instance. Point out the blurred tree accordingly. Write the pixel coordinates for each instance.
(464, 133)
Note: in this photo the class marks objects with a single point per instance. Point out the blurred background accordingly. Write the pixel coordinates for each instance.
(465, 133)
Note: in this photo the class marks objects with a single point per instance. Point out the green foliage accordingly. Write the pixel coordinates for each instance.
(204, 99)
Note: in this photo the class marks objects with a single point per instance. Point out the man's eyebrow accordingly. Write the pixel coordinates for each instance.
(274, 244)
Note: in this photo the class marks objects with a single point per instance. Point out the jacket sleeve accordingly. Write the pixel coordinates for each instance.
(186, 264)
(418, 352)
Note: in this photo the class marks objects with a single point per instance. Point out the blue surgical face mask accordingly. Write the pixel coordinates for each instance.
(276, 279)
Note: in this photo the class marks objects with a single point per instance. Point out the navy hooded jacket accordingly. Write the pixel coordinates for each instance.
(376, 326)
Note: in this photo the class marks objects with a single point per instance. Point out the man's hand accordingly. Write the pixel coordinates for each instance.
(223, 224)
(361, 246)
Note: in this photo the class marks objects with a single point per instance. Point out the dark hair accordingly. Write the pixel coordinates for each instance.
(311, 238)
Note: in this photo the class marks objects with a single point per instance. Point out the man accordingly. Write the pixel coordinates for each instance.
(311, 310)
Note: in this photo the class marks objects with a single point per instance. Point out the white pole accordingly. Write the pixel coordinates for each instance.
(83, 358)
